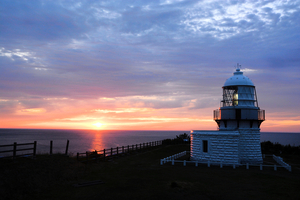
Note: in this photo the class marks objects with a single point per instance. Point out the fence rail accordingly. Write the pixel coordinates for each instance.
(15, 149)
(173, 160)
(281, 162)
(109, 153)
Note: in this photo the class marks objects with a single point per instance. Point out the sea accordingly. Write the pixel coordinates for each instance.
(81, 141)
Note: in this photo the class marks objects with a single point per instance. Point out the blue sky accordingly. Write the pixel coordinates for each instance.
(145, 64)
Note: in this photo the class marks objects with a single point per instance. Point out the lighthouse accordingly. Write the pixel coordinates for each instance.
(237, 140)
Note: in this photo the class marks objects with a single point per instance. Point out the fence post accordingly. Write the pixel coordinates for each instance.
(247, 166)
(184, 163)
(233, 166)
(196, 164)
(51, 144)
(15, 150)
(97, 157)
(275, 168)
(128, 148)
(208, 164)
(103, 154)
(67, 147)
(87, 155)
(111, 152)
(221, 165)
(261, 167)
(34, 148)
(173, 161)
(117, 150)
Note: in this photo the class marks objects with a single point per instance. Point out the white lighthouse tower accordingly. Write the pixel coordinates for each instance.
(239, 118)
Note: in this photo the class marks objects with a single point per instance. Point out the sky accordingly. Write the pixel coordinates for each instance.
(145, 65)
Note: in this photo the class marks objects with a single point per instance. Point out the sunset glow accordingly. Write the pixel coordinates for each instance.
(145, 65)
(98, 124)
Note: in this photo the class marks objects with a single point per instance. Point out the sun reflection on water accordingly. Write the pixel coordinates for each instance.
(97, 143)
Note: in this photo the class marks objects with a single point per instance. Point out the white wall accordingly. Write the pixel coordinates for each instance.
(232, 147)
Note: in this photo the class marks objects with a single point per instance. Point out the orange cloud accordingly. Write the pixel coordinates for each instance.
(126, 114)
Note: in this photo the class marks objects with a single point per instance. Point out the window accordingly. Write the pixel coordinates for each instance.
(230, 96)
(205, 145)
(235, 99)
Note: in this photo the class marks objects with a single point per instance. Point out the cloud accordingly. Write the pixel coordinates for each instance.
(172, 55)
(223, 20)
(39, 21)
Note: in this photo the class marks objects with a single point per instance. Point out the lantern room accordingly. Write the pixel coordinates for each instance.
(239, 106)
(239, 90)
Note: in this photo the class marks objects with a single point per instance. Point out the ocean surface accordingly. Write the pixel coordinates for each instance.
(89, 140)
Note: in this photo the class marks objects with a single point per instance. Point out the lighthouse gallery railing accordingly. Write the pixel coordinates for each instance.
(260, 114)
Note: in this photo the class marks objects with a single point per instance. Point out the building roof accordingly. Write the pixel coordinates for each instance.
(238, 79)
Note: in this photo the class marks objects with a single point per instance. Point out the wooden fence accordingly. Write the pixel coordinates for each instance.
(15, 150)
(51, 147)
(109, 153)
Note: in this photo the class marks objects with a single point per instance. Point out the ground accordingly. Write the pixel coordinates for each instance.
(140, 176)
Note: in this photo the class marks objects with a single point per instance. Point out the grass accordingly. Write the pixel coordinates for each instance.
(140, 176)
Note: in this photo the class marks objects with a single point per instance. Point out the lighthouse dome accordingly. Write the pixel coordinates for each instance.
(238, 79)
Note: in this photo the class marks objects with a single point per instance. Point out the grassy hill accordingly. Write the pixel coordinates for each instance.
(140, 176)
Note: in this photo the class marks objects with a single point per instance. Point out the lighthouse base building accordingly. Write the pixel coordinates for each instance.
(226, 147)
(237, 140)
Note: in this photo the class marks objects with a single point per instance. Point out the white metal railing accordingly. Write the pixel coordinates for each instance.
(280, 161)
(217, 114)
(173, 160)
(261, 115)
